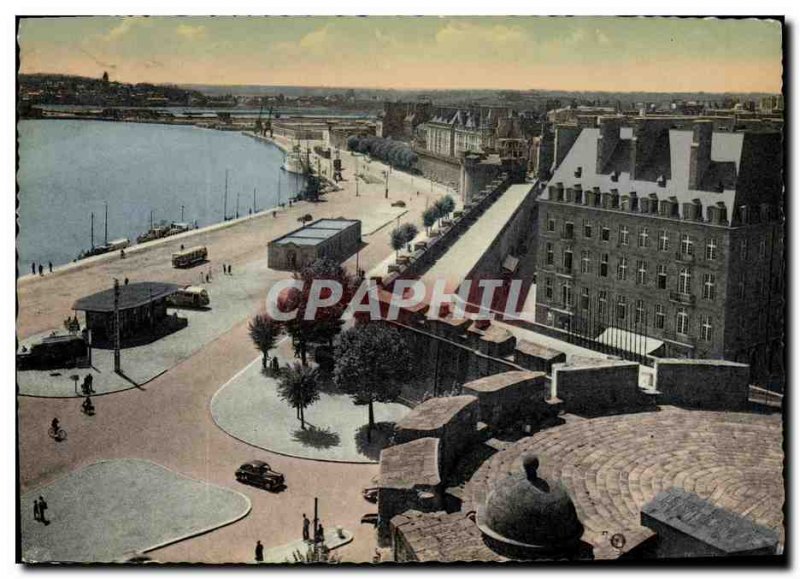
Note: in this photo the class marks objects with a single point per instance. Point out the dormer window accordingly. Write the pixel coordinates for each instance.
(578, 171)
(662, 181)
(615, 176)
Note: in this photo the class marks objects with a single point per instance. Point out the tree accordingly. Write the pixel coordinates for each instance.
(448, 204)
(264, 331)
(410, 231)
(298, 386)
(428, 219)
(372, 361)
(397, 240)
(327, 322)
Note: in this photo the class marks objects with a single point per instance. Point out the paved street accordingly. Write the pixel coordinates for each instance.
(111, 509)
(169, 421)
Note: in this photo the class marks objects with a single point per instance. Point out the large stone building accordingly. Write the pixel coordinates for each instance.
(674, 234)
(454, 132)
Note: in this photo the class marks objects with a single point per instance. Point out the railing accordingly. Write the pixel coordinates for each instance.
(684, 257)
(563, 270)
(680, 298)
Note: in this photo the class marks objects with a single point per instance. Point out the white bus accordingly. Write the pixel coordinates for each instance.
(189, 257)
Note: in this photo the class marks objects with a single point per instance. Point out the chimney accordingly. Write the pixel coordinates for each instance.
(700, 154)
(607, 140)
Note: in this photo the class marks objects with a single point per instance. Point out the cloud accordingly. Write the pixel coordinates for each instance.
(465, 34)
(97, 60)
(190, 32)
(120, 30)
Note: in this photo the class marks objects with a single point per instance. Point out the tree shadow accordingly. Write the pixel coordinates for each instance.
(382, 436)
(316, 437)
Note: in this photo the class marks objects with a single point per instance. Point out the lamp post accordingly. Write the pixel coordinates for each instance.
(181, 213)
(386, 195)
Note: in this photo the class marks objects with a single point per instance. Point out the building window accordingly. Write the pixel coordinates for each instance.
(623, 235)
(663, 240)
(687, 246)
(661, 280)
(641, 272)
(549, 253)
(569, 230)
(566, 294)
(685, 281)
(741, 290)
(586, 261)
(762, 248)
(551, 224)
(605, 234)
(622, 268)
(644, 237)
(602, 302)
(587, 229)
(711, 250)
(659, 317)
(621, 307)
(709, 286)
(585, 298)
(743, 249)
(548, 288)
(682, 322)
(604, 265)
(638, 317)
(705, 329)
(568, 259)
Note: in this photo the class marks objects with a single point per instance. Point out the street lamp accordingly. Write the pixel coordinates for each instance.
(386, 195)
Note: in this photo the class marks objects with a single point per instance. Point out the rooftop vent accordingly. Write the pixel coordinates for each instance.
(662, 181)
(615, 176)
(578, 171)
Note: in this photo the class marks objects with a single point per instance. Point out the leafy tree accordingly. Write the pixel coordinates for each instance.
(428, 219)
(448, 204)
(397, 240)
(264, 332)
(327, 322)
(298, 386)
(372, 362)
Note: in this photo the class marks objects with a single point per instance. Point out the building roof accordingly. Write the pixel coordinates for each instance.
(316, 232)
(435, 412)
(671, 160)
(497, 382)
(537, 350)
(130, 296)
(701, 520)
(409, 465)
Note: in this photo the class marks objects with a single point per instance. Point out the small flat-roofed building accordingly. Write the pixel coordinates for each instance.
(537, 357)
(503, 398)
(452, 419)
(142, 309)
(335, 239)
(689, 526)
(409, 479)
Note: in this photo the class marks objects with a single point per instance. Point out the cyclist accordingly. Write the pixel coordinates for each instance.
(55, 425)
(88, 407)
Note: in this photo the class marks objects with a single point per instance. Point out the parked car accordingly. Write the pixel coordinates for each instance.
(258, 473)
(399, 204)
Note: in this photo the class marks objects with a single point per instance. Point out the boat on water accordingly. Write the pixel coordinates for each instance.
(162, 230)
(293, 161)
(108, 246)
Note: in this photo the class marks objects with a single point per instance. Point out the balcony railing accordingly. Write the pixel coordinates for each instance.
(685, 299)
(562, 270)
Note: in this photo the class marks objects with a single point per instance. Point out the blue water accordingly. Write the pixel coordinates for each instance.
(68, 169)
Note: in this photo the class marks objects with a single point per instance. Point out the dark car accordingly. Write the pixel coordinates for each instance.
(258, 473)
(399, 204)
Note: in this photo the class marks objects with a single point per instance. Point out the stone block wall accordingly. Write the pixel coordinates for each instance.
(608, 386)
(708, 384)
(519, 396)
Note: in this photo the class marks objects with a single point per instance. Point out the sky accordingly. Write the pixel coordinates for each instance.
(423, 52)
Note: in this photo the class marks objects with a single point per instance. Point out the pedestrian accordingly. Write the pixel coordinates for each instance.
(33, 268)
(50, 265)
(274, 214)
(42, 509)
(126, 281)
(37, 514)
(207, 279)
(320, 538)
(122, 254)
(181, 247)
(41, 269)
(230, 269)
(306, 526)
(259, 552)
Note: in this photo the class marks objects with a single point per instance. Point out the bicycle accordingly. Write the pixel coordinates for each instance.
(57, 434)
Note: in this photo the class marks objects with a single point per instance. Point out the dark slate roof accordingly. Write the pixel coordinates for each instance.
(316, 232)
(700, 519)
(672, 162)
(130, 296)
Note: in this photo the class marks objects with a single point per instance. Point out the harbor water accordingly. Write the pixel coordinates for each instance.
(70, 169)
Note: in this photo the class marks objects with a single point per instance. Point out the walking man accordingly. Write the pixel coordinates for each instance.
(41, 269)
(306, 527)
(50, 265)
(33, 268)
(259, 552)
(320, 538)
(42, 509)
